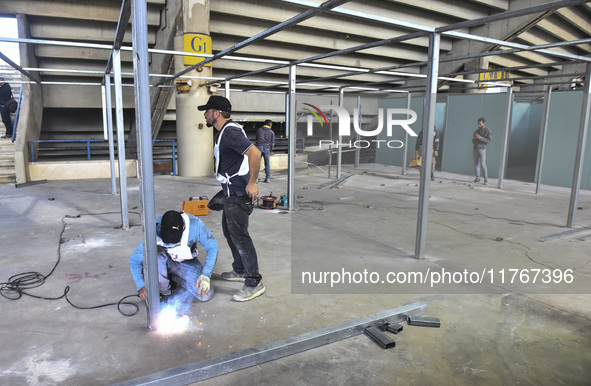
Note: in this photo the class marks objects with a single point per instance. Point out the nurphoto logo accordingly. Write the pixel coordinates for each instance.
(345, 125)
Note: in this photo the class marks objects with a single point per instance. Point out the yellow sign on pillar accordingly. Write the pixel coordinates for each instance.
(199, 44)
(493, 76)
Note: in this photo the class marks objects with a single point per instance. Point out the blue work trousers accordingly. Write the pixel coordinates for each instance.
(480, 161)
(184, 273)
(266, 154)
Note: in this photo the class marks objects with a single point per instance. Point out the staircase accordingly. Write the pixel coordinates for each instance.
(7, 170)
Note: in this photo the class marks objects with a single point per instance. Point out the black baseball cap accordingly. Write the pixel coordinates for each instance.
(216, 102)
(171, 227)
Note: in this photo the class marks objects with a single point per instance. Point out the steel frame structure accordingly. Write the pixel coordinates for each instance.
(136, 10)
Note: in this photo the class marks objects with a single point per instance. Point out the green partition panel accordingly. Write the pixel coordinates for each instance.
(389, 156)
(561, 141)
(463, 112)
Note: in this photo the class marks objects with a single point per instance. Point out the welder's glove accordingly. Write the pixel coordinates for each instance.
(203, 284)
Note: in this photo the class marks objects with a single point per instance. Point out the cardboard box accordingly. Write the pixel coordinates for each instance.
(197, 206)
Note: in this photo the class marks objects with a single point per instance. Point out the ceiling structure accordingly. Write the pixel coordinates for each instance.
(374, 45)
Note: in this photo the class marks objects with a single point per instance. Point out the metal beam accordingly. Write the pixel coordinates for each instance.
(507, 133)
(18, 68)
(122, 25)
(109, 118)
(273, 30)
(510, 14)
(405, 148)
(292, 131)
(146, 173)
(120, 139)
(428, 127)
(581, 146)
(542, 139)
(209, 368)
(340, 138)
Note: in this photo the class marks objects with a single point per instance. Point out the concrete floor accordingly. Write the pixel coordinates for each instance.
(491, 333)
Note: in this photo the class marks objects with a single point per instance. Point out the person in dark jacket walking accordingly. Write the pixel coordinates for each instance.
(480, 139)
(5, 96)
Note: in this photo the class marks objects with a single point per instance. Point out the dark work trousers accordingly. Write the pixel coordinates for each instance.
(235, 225)
(7, 120)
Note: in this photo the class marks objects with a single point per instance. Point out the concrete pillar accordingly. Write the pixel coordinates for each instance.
(195, 139)
(475, 64)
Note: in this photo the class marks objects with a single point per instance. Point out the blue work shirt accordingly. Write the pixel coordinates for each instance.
(198, 232)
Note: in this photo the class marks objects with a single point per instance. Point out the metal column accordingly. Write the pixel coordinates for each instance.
(340, 139)
(428, 127)
(359, 116)
(405, 149)
(543, 135)
(146, 172)
(581, 146)
(109, 122)
(120, 139)
(292, 134)
(508, 114)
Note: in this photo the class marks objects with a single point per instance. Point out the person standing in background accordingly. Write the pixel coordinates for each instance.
(265, 140)
(480, 139)
(5, 96)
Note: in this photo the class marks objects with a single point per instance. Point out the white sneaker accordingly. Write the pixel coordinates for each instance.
(248, 293)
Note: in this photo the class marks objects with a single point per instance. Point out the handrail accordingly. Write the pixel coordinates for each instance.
(89, 148)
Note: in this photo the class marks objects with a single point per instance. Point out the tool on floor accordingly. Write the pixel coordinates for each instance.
(196, 206)
(423, 321)
(268, 202)
(383, 340)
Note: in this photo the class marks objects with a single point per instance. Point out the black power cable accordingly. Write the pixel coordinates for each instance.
(16, 285)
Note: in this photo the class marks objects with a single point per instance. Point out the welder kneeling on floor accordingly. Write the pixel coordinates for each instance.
(177, 235)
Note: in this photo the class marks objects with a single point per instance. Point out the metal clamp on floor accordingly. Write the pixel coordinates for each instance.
(423, 321)
(379, 337)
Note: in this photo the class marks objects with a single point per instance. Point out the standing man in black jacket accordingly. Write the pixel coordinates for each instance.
(5, 96)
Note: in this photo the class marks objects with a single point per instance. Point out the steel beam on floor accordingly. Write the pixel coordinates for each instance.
(224, 364)
(565, 234)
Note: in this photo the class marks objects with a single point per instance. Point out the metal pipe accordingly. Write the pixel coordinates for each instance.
(292, 134)
(109, 115)
(327, 5)
(18, 68)
(359, 115)
(510, 14)
(508, 115)
(405, 149)
(340, 139)
(122, 24)
(146, 172)
(120, 139)
(209, 368)
(581, 146)
(428, 127)
(542, 140)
